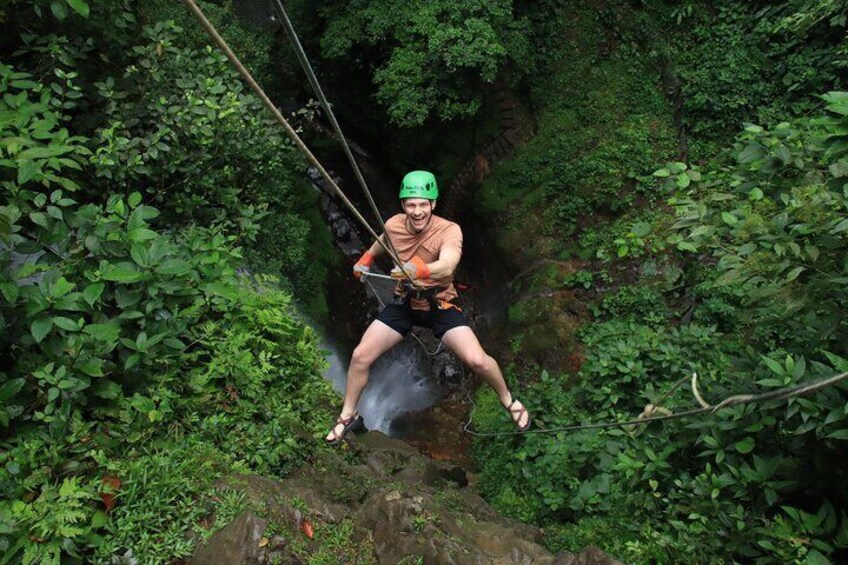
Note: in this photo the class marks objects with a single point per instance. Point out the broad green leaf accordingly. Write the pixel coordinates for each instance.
(42, 152)
(815, 557)
(92, 292)
(800, 368)
(39, 218)
(58, 9)
(121, 272)
(10, 291)
(141, 234)
(24, 84)
(687, 246)
(66, 384)
(729, 218)
(174, 343)
(793, 274)
(107, 389)
(140, 255)
(61, 287)
(92, 367)
(65, 323)
(174, 267)
(11, 388)
(107, 332)
(775, 366)
(839, 363)
(80, 7)
(142, 403)
(838, 434)
(40, 327)
(99, 520)
(840, 227)
(640, 229)
(745, 446)
(134, 199)
(702, 231)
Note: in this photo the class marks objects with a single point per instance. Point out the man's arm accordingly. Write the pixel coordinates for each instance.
(377, 248)
(446, 264)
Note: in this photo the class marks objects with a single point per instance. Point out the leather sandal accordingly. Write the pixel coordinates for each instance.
(520, 412)
(348, 424)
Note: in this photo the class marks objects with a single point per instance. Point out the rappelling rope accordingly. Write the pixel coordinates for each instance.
(319, 92)
(738, 399)
(242, 70)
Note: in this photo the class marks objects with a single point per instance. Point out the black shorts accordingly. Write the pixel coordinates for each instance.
(402, 318)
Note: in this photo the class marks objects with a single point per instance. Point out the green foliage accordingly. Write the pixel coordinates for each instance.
(53, 523)
(774, 224)
(601, 123)
(168, 499)
(760, 239)
(124, 325)
(741, 61)
(426, 59)
(192, 114)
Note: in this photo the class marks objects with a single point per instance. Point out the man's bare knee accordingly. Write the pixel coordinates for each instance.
(478, 362)
(362, 357)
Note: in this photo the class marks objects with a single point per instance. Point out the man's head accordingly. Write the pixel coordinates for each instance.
(418, 194)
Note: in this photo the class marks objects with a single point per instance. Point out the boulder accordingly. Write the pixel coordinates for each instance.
(239, 543)
(377, 497)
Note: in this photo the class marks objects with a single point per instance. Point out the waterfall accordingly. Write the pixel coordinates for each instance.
(398, 383)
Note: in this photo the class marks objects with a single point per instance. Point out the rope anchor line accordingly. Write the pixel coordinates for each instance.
(269, 105)
(649, 414)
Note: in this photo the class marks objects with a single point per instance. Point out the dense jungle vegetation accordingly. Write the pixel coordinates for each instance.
(680, 206)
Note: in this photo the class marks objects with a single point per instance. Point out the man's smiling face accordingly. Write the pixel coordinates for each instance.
(418, 213)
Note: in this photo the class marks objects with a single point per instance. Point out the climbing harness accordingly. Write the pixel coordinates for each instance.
(366, 276)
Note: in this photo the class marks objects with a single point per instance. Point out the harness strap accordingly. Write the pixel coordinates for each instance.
(403, 292)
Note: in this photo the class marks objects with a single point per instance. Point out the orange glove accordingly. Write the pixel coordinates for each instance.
(416, 268)
(363, 266)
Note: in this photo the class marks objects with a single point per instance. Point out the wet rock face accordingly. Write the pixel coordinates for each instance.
(399, 507)
(239, 543)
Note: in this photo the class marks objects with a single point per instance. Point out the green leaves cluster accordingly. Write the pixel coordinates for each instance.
(127, 189)
(760, 293)
(426, 59)
(774, 223)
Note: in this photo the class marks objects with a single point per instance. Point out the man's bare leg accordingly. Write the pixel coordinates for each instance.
(376, 340)
(462, 341)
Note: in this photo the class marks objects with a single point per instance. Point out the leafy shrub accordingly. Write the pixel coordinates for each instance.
(765, 235)
(113, 319)
(167, 501)
(426, 59)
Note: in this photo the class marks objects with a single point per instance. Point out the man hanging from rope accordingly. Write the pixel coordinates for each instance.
(430, 248)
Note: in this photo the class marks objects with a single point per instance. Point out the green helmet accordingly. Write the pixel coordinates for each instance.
(419, 184)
